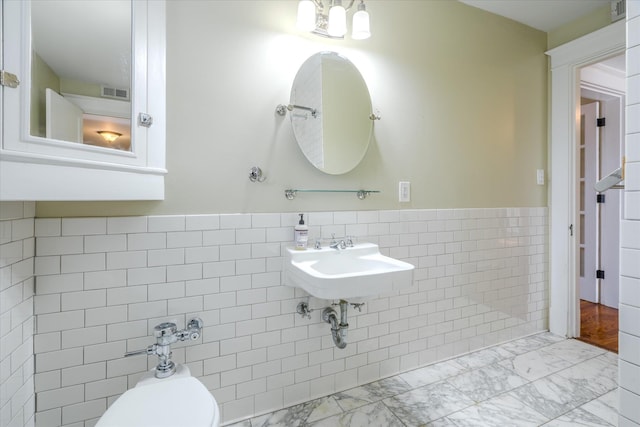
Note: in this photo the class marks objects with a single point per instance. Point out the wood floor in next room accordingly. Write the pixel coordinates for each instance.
(599, 325)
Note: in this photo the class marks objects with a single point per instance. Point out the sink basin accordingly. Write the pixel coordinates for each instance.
(355, 272)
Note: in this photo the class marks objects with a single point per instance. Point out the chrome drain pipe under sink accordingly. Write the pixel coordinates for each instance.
(338, 330)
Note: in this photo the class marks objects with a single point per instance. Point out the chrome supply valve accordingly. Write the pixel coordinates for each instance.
(357, 306)
(303, 310)
(166, 334)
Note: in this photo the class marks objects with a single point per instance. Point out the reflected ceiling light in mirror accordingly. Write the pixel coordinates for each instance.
(109, 135)
(329, 18)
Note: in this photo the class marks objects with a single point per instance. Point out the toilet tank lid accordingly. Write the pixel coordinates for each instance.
(171, 403)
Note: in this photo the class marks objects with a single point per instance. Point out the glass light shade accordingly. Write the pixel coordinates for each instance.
(361, 29)
(306, 15)
(109, 135)
(337, 21)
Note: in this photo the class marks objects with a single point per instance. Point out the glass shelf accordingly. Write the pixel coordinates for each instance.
(361, 194)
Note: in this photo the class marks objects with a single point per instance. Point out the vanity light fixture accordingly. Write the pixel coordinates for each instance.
(330, 19)
(109, 135)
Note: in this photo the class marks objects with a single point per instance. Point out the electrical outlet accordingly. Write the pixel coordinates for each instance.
(404, 191)
(540, 176)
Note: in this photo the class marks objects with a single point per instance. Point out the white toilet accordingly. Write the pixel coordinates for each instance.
(179, 400)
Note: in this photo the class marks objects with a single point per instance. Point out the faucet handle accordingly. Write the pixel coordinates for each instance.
(318, 244)
(357, 306)
(349, 241)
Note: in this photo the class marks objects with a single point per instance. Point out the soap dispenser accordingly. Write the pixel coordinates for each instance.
(301, 234)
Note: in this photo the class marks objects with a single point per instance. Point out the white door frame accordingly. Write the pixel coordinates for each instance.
(566, 61)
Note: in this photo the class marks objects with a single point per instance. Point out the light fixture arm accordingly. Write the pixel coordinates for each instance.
(327, 18)
(320, 5)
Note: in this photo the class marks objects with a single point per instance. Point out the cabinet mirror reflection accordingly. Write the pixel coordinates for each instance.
(81, 64)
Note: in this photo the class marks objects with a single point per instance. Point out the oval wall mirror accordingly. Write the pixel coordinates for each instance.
(330, 107)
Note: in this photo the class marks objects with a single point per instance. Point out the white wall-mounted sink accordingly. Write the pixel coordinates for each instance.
(354, 272)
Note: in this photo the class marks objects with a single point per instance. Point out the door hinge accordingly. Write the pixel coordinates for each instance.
(8, 79)
(601, 122)
(599, 274)
(599, 198)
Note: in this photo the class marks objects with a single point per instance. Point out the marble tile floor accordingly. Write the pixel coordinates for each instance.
(538, 380)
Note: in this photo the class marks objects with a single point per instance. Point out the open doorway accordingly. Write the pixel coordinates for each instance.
(600, 148)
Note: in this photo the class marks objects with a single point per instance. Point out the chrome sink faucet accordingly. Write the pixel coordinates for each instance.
(338, 245)
(341, 244)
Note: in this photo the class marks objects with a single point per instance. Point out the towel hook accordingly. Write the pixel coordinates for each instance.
(256, 175)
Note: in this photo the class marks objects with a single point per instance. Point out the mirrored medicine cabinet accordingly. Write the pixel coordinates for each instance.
(83, 100)
(330, 112)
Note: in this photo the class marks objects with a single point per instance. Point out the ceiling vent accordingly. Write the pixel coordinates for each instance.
(618, 10)
(116, 93)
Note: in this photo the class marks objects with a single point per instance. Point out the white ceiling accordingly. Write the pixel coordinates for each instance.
(87, 41)
(544, 15)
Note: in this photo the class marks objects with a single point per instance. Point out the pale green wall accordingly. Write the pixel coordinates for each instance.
(589, 23)
(42, 77)
(78, 87)
(462, 95)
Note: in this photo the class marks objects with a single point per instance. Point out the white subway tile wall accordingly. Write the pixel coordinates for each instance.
(104, 283)
(629, 313)
(17, 252)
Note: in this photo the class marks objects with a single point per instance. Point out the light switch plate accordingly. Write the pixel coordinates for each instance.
(404, 191)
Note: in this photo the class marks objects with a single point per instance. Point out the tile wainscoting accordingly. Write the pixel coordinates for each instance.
(102, 284)
(17, 247)
(630, 235)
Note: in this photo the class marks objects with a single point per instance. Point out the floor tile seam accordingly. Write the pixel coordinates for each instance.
(332, 396)
(476, 403)
(342, 411)
(470, 399)
(514, 355)
(555, 372)
(590, 413)
(400, 419)
(394, 414)
(559, 373)
(596, 415)
(526, 381)
(507, 392)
